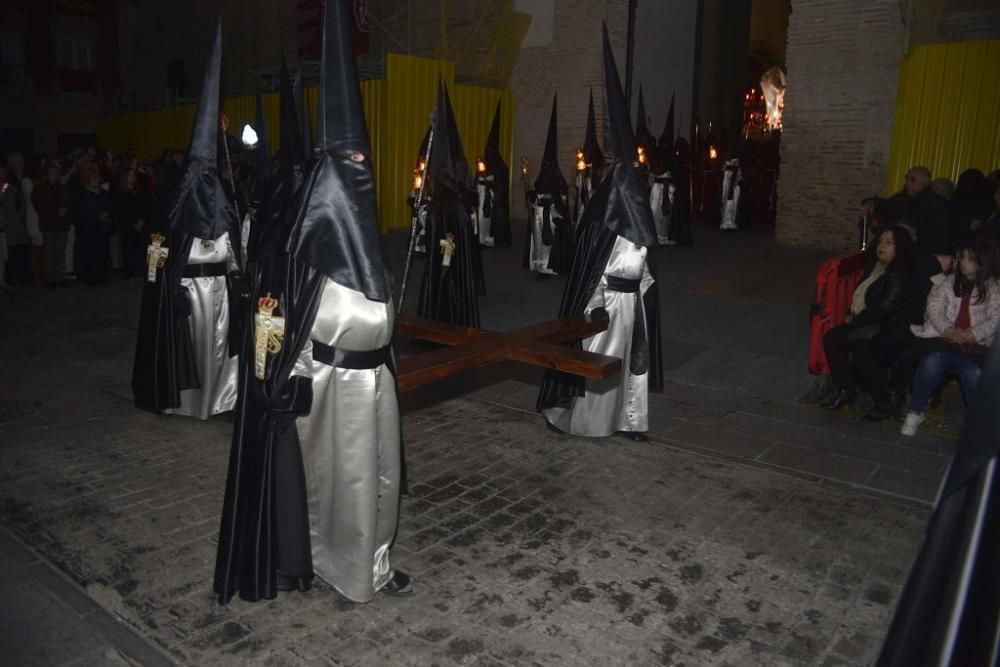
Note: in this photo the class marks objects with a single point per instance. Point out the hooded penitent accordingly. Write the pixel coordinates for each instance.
(314, 470)
(420, 209)
(548, 247)
(949, 610)
(493, 185)
(178, 365)
(588, 177)
(668, 191)
(643, 137)
(453, 278)
(611, 271)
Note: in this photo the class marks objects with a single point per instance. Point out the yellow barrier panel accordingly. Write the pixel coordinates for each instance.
(397, 110)
(947, 111)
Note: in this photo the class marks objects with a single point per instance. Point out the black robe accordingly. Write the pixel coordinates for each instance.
(451, 294)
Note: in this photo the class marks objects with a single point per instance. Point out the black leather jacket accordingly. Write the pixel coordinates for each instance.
(888, 299)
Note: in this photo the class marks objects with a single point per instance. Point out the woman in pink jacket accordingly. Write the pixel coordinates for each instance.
(962, 316)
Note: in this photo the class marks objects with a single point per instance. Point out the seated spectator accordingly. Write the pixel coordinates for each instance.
(971, 205)
(878, 313)
(943, 187)
(918, 206)
(990, 229)
(962, 316)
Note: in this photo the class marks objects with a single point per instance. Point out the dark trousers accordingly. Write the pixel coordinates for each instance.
(838, 356)
(93, 256)
(871, 363)
(133, 253)
(19, 263)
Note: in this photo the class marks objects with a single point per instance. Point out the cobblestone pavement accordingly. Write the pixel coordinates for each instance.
(718, 543)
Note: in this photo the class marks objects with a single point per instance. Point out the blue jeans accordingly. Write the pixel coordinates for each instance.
(932, 370)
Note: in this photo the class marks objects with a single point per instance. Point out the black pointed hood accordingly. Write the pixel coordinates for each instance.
(449, 168)
(491, 153)
(336, 231)
(643, 137)
(591, 150)
(263, 145)
(422, 151)
(200, 207)
(666, 139)
(620, 202)
(550, 180)
(292, 150)
(305, 124)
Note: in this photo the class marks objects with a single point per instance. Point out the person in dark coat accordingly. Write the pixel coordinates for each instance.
(918, 206)
(93, 232)
(132, 206)
(880, 312)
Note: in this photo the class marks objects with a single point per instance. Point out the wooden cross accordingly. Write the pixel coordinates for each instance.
(537, 345)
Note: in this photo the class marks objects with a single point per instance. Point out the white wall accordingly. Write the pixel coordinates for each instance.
(664, 60)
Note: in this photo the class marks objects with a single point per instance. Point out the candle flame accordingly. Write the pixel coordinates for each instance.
(712, 153)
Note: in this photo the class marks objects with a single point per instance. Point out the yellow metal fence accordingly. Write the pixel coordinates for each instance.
(397, 110)
(947, 111)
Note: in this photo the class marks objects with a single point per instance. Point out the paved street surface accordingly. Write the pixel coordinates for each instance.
(751, 530)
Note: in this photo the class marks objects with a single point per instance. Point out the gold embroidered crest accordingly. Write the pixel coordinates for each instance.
(269, 330)
(156, 256)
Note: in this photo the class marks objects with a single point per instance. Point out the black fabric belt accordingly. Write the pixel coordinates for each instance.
(627, 285)
(338, 358)
(215, 270)
(662, 179)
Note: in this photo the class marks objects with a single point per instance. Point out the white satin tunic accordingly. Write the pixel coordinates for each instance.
(538, 257)
(210, 333)
(657, 191)
(351, 447)
(619, 403)
(485, 221)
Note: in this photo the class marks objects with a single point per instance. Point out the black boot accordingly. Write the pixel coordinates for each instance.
(842, 398)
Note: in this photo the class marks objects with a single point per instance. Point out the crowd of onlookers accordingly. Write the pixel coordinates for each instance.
(81, 216)
(928, 305)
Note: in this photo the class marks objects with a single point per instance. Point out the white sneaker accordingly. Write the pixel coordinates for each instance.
(912, 423)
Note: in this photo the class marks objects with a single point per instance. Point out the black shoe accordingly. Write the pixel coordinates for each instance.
(399, 585)
(843, 397)
(634, 436)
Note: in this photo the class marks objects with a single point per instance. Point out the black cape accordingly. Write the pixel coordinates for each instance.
(450, 293)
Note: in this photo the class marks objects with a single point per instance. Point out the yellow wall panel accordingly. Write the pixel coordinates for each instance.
(397, 110)
(947, 111)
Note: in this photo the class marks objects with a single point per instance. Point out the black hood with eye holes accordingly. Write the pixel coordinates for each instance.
(336, 227)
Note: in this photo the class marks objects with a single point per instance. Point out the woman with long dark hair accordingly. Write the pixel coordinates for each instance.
(961, 318)
(881, 308)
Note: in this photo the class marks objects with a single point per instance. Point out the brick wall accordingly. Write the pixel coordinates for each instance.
(569, 65)
(843, 62)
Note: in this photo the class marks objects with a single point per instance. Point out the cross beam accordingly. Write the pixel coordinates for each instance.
(536, 345)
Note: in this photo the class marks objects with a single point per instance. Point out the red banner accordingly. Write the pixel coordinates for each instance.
(310, 27)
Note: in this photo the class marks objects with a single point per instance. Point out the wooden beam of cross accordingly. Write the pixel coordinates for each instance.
(537, 345)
